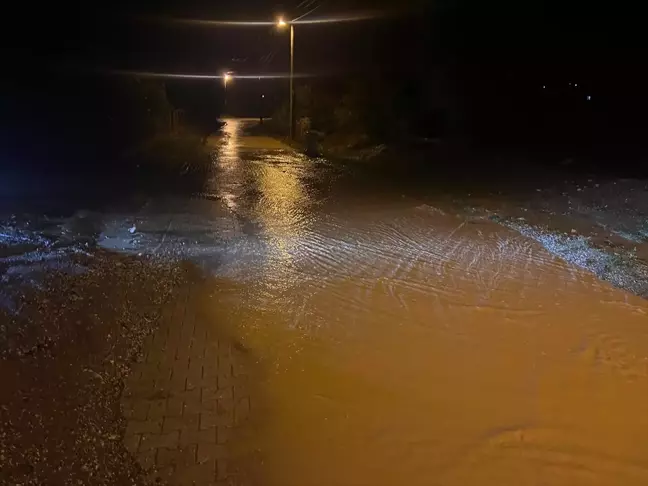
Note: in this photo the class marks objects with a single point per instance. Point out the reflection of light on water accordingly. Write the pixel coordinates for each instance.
(229, 151)
(229, 157)
(281, 210)
(230, 200)
(260, 181)
(282, 203)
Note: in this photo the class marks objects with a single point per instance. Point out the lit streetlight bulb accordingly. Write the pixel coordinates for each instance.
(281, 23)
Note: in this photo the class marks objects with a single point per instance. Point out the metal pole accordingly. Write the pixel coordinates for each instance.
(292, 73)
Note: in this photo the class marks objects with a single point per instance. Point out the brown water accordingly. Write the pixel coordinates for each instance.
(399, 343)
(479, 359)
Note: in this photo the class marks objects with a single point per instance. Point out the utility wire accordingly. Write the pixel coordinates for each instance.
(307, 3)
(307, 13)
(269, 57)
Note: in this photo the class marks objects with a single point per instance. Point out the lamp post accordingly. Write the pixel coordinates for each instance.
(281, 24)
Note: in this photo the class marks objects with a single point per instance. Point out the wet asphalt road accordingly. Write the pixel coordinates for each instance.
(402, 341)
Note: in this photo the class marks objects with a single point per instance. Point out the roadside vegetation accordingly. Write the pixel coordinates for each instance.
(100, 133)
(170, 161)
(170, 151)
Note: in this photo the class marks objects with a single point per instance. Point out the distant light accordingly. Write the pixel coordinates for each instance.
(544, 87)
(262, 96)
(281, 23)
(576, 84)
(588, 97)
(570, 84)
(227, 77)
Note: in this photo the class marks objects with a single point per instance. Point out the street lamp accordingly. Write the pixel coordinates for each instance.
(281, 24)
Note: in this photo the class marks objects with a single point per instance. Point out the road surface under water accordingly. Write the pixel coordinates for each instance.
(401, 343)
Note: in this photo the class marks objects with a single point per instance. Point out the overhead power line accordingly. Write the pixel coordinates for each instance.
(307, 13)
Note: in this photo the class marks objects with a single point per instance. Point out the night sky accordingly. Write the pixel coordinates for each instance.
(555, 37)
(494, 54)
(123, 36)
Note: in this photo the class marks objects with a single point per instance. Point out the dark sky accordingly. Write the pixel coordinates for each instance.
(523, 41)
(49, 49)
(88, 35)
(92, 34)
(489, 56)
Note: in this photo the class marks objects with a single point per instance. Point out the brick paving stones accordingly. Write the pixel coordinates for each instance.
(183, 400)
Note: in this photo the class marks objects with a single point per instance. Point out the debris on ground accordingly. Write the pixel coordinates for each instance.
(64, 353)
(602, 228)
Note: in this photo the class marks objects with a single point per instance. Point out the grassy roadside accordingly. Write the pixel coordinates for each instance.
(347, 147)
(171, 162)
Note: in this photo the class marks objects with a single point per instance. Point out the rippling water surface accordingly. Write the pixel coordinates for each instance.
(401, 343)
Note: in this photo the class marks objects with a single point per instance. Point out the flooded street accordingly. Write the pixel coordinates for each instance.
(324, 243)
(396, 341)
(401, 344)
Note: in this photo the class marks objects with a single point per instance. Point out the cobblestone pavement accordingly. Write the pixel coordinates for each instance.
(187, 396)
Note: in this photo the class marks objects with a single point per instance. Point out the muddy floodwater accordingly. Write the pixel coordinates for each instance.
(398, 341)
